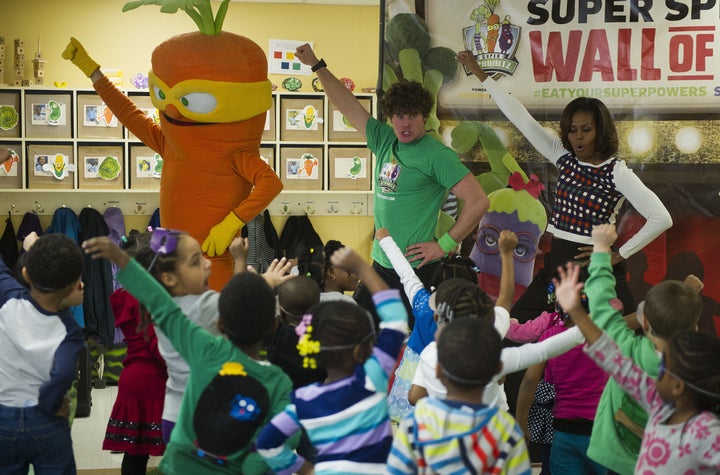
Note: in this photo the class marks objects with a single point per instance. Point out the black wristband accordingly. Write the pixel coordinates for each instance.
(320, 64)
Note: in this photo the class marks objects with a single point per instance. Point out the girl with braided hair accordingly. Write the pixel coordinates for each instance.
(346, 416)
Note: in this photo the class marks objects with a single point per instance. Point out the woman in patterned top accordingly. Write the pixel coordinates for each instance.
(592, 186)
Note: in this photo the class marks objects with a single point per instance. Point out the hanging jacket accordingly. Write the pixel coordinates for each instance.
(263, 241)
(65, 221)
(97, 276)
(116, 227)
(9, 245)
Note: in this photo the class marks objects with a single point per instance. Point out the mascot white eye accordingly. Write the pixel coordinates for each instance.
(159, 94)
(199, 102)
(520, 250)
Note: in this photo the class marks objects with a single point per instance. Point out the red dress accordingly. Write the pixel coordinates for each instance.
(135, 425)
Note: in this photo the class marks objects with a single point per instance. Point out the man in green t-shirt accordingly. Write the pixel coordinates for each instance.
(413, 173)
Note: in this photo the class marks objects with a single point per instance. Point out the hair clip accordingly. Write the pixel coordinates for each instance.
(163, 241)
(444, 312)
(306, 346)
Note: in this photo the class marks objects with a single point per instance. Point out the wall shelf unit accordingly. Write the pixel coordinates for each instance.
(72, 151)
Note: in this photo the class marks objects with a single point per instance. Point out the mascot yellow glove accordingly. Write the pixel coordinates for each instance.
(79, 57)
(221, 235)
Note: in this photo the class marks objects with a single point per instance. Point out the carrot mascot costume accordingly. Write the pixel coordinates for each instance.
(212, 92)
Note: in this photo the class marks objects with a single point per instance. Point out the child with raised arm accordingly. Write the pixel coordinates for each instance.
(669, 307)
(682, 434)
(460, 433)
(346, 416)
(231, 393)
(39, 345)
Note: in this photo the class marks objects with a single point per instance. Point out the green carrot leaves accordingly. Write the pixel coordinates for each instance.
(199, 10)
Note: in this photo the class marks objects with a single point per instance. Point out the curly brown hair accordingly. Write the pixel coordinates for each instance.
(406, 97)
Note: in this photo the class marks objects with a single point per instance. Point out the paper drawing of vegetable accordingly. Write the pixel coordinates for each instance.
(59, 167)
(107, 115)
(309, 164)
(10, 162)
(55, 112)
(309, 114)
(109, 169)
(356, 167)
(8, 117)
(484, 16)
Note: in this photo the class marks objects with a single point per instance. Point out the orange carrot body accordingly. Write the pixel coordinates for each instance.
(209, 169)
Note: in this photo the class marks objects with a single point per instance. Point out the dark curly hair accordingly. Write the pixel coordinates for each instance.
(54, 262)
(340, 324)
(297, 295)
(607, 141)
(695, 358)
(247, 309)
(406, 97)
(462, 298)
(454, 267)
(469, 352)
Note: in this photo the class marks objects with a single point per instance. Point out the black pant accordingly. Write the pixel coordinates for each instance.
(535, 298)
(363, 297)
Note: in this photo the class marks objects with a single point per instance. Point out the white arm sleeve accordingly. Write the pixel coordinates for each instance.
(522, 357)
(411, 282)
(646, 203)
(425, 373)
(539, 137)
(502, 321)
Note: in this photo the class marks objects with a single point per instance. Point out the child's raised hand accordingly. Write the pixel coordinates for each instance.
(603, 236)
(348, 259)
(278, 272)
(568, 287)
(381, 234)
(694, 282)
(507, 241)
(29, 241)
(104, 248)
(239, 248)
(466, 58)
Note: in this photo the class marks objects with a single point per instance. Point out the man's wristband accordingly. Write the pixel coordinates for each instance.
(320, 64)
(447, 243)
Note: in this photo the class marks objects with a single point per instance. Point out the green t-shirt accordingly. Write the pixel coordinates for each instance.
(229, 396)
(611, 444)
(411, 181)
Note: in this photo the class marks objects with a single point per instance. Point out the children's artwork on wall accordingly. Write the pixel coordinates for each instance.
(303, 168)
(60, 166)
(351, 167)
(99, 116)
(9, 117)
(340, 123)
(149, 167)
(282, 58)
(302, 119)
(10, 166)
(104, 168)
(50, 113)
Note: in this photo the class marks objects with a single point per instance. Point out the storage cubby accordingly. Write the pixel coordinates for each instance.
(67, 140)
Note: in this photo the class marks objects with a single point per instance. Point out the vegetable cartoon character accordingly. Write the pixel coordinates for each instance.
(212, 92)
(516, 208)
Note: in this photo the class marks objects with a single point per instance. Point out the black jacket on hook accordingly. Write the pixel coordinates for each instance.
(98, 279)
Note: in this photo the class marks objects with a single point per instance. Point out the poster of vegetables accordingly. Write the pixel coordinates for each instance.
(655, 64)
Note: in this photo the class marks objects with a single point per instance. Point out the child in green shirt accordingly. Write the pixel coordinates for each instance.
(231, 393)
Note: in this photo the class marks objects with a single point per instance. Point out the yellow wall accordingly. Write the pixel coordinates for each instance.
(345, 36)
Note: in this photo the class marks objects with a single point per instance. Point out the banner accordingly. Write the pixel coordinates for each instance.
(655, 64)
